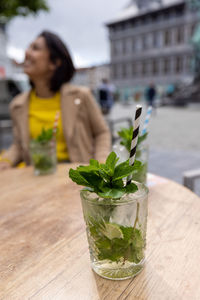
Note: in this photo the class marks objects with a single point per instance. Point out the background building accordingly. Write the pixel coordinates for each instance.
(150, 41)
(92, 76)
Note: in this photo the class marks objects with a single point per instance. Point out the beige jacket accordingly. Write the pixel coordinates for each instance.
(86, 133)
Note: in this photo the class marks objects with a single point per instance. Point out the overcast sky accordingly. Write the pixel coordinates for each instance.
(80, 23)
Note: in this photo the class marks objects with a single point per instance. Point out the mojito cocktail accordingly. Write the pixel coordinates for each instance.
(43, 157)
(115, 214)
(116, 232)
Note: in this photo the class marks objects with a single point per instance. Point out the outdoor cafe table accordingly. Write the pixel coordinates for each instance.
(44, 252)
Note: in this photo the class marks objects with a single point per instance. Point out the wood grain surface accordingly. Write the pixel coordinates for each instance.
(44, 252)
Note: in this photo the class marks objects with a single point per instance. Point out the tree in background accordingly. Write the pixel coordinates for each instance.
(13, 8)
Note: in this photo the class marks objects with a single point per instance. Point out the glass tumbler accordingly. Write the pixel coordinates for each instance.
(116, 232)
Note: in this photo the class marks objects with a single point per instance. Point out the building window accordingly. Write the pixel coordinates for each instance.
(155, 18)
(124, 46)
(180, 35)
(179, 65)
(113, 49)
(149, 40)
(124, 70)
(144, 68)
(119, 70)
(114, 71)
(192, 29)
(179, 11)
(134, 69)
(167, 38)
(166, 68)
(189, 63)
(144, 42)
(133, 45)
(166, 15)
(138, 44)
(155, 67)
(129, 45)
(157, 39)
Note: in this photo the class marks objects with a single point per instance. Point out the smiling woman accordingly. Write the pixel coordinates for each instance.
(82, 131)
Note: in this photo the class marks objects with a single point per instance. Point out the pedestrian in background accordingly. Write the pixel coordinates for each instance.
(82, 131)
(150, 95)
(106, 99)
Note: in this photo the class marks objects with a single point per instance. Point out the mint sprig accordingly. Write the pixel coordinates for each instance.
(46, 135)
(126, 135)
(106, 180)
(130, 247)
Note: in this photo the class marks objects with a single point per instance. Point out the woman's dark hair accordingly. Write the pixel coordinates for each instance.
(58, 53)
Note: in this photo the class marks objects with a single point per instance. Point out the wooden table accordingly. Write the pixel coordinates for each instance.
(44, 253)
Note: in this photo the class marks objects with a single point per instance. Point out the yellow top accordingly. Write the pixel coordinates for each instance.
(42, 114)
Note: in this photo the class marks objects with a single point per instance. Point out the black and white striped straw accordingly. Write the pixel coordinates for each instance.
(136, 127)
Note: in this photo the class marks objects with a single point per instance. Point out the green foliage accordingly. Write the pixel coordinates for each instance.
(141, 176)
(129, 247)
(45, 136)
(106, 180)
(13, 8)
(42, 162)
(141, 138)
(126, 135)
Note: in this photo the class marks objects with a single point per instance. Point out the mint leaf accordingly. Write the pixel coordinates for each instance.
(137, 165)
(94, 162)
(126, 135)
(111, 161)
(93, 179)
(112, 193)
(141, 173)
(131, 188)
(45, 135)
(118, 184)
(106, 180)
(105, 172)
(129, 247)
(88, 169)
(76, 177)
(122, 170)
(127, 232)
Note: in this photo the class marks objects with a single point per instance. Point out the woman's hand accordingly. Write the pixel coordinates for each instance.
(4, 165)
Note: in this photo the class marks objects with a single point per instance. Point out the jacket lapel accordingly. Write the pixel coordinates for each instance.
(69, 106)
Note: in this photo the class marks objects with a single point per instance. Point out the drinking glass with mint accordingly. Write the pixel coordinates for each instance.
(142, 152)
(43, 152)
(115, 215)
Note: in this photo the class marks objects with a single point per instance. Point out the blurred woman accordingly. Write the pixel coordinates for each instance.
(82, 131)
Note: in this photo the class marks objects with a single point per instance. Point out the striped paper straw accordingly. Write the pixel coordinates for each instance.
(136, 127)
(55, 124)
(146, 122)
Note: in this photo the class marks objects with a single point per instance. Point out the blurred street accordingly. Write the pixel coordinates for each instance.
(174, 139)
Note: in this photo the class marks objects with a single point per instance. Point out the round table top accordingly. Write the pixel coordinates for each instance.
(44, 250)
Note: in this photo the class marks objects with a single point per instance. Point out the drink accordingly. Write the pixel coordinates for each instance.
(43, 157)
(116, 231)
(142, 154)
